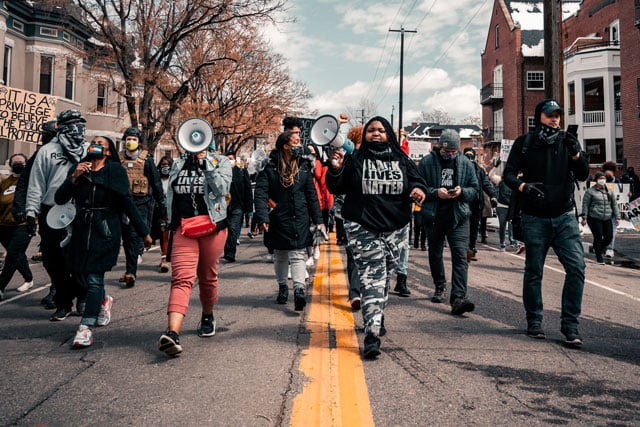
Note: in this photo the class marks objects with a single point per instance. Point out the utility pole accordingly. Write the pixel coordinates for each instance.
(401, 31)
(361, 117)
(392, 107)
(553, 51)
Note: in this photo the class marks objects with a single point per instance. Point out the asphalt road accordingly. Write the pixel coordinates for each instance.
(435, 369)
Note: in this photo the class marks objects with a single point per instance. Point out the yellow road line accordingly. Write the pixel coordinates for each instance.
(335, 393)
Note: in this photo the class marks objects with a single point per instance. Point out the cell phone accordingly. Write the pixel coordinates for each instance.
(573, 130)
(453, 190)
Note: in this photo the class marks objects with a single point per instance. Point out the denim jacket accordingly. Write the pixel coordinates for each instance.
(216, 186)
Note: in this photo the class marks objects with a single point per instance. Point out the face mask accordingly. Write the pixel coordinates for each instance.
(602, 181)
(548, 134)
(95, 151)
(470, 157)
(164, 170)
(448, 156)
(17, 168)
(132, 145)
(75, 132)
(296, 151)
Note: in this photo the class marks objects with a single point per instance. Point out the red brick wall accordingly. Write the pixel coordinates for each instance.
(583, 24)
(630, 73)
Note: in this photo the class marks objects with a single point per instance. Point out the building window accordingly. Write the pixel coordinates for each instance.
(46, 74)
(46, 31)
(614, 33)
(6, 68)
(596, 149)
(572, 98)
(535, 80)
(531, 123)
(101, 102)
(66, 36)
(497, 36)
(70, 77)
(18, 25)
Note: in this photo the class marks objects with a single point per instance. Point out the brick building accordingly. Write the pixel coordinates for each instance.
(601, 73)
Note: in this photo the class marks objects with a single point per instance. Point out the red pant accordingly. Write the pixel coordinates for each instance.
(191, 258)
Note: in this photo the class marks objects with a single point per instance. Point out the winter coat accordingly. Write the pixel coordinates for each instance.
(101, 198)
(294, 208)
(599, 204)
(430, 169)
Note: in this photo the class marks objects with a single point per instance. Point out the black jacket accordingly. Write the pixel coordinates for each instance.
(484, 186)
(296, 207)
(550, 165)
(100, 199)
(240, 191)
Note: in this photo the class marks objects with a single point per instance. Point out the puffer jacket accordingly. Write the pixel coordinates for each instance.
(599, 204)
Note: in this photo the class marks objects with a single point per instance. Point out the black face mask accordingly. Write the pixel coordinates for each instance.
(164, 170)
(296, 152)
(17, 168)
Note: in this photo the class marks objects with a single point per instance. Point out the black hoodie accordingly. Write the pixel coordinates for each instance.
(376, 181)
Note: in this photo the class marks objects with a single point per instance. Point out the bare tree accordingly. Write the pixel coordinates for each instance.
(359, 115)
(437, 115)
(472, 120)
(141, 40)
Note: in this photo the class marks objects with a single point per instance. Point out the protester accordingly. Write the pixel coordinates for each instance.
(477, 207)
(402, 266)
(241, 202)
(146, 190)
(50, 168)
(549, 160)
(286, 203)
(14, 235)
(164, 167)
(598, 207)
(20, 197)
(452, 186)
(379, 182)
(609, 170)
(198, 185)
(99, 188)
(630, 177)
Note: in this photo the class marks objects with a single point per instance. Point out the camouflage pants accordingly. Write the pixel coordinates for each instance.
(375, 255)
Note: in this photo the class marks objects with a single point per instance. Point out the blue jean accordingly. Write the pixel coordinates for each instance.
(93, 283)
(563, 235)
(458, 239)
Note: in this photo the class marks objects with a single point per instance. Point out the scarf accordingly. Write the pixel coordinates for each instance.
(71, 138)
(548, 134)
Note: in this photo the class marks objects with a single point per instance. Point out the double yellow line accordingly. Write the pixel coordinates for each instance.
(335, 393)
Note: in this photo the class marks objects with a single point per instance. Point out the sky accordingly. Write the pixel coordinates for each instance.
(344, 52)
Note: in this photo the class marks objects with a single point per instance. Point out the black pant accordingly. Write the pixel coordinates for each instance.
(234, 218)
(56, 264)
(419, 231)
(474, 225)
(132, 243)
(15, 240)
(602, 231)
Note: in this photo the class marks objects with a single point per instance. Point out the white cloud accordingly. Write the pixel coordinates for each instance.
(459, 102)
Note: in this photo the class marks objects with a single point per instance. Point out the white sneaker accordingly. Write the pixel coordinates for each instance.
(25, 286)
(309, 262)
(139, 259)
(83, 338)
(289, 273)
(316, 252)
(609, 253)
(105, 311)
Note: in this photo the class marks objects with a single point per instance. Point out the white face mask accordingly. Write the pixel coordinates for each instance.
(602, 182)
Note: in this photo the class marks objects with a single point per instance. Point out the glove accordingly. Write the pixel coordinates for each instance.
(19, 215)
(532, 190)
(494, 202)
(572, 144)
(31, 226)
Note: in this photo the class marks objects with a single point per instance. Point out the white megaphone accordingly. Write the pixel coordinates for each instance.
(256, 161)
(195, 135)
(326, 130)
(61, 216)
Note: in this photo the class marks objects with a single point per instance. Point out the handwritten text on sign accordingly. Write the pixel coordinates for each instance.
(22, 113)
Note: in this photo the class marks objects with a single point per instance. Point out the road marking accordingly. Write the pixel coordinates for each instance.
(23, 294)
(591, 282)
(335, 393)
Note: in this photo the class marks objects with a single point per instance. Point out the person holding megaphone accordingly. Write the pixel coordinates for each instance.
(380, 183)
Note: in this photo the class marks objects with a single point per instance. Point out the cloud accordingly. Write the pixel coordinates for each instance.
(459, 101)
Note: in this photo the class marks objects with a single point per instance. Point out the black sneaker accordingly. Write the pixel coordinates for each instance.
(60, 314)
(534, 330)
(49, 297)
(371, 346)
(572, 338)
(438, 295)
(461, 306)
(299, 300)
(169, 343)
(207, 326)
(383, 330)
(283, 294)
(401, 286)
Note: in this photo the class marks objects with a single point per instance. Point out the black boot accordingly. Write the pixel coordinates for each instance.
(401, 285)
(283, 294)
(438, 295)
(47, 301)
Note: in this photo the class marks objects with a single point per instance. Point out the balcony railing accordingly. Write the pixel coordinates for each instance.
(593, 118)
(491, 93)
(495, 134)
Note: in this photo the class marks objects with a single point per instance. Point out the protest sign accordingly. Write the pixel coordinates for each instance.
(22, 113)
